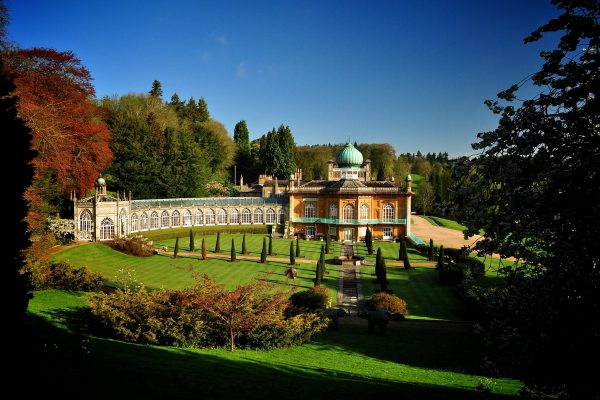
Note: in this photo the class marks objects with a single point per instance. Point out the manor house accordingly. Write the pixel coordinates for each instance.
(343, 206)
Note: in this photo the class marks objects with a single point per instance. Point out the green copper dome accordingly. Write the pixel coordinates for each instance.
(100, 182)
(349, 156)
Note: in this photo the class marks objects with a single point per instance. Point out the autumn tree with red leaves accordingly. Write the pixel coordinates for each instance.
(245, 308)
(56, 102)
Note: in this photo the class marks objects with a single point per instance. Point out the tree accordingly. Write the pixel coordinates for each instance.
(156, 90)
(176, 249)
(241, 137)
(369, 241)
(430, 251)
(440, 262)
(292, 254)
(191, 240)
(383, 282)
(532, 191)
(245, 308)
(203, 249)
(378, 259)
(218, 243)
(244, 250)
(318, 274)
(233, 255)
(263, 253)
(322, 262)
(405, 259)
(297, 246)
(202, 115)
(16, 289)
(425, 197)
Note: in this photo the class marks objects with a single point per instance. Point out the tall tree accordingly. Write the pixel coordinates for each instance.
(244, 249)
(369, 240)
(425, 197)
(218, 243)
(263, 253)
(156, 90)
(176, 248)
(202, 115)
(292, 254)
(534, 190)
(297, 246)
(191, 240)
(233, 255)
(203, 249)
(241, 137)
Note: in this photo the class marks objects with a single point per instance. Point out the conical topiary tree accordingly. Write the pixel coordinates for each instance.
(378, 259)
(218, 243)
(430, 253)
(369, 241)
(297, 246)
(233, 255)
(176, 249)
(191, 240)
(440, 263)
(271, 245)
(383, 283)
(263, 253)
(244, 250)
(203, 249)
(292, 254)
(322, 262)
(405, 259)
(318, 274)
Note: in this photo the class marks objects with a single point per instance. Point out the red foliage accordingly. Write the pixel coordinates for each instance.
(55, 100)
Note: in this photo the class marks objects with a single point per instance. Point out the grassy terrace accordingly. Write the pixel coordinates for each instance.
(409, 362)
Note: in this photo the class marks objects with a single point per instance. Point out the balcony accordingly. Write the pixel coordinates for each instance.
(335, 221)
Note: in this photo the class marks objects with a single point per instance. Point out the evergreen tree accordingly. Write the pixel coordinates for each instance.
(218, 243)
(176, 249)
(192, 240)
(381, 173)
(322, 262)
(292, 254)
(369, 241)
(405, 259)
(156, 90)
(318, 274)
(202, 113)
(297, 246)
(203, 249)
(233, 255)
(263, 253)
(271, 246)
(430, 252)
(378, 259)
(383, 282)
(241, 137)
(244, 250)
(440, 263)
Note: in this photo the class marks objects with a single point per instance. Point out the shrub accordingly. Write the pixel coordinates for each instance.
(315, 298)
(395, 305)
(293, 331)
(135, 246)
(62, 275)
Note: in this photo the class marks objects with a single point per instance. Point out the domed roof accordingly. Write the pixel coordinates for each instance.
(349, 156)
(100, 181)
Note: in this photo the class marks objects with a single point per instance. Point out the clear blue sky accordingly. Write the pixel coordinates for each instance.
(410, 73)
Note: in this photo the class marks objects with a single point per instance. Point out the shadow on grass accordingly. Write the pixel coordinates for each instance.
(55, 361)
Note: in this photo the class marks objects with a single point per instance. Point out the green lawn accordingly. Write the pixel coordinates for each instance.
(425, 296)
(404, 363)
(446, 223)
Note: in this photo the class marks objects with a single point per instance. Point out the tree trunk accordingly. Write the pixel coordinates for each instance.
(232, 339)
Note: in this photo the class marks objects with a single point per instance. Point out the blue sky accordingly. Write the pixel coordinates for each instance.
(410, 73)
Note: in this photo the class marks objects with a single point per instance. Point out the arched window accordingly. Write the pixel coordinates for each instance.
(281, 217)
(310, 211)
(270, 216)
(144, 222)
(222, 216)
(122, 223)
(134, 223)
(348, 213)
(333, 211)
(258, 216)
(187, 218)
(175, 219)
(107, 229)
(154, 220)
(234, 217)
(388, 213)
(210, 217)
(364, 212)
(199, 217)
(86, 224)
(246, 216)
(164, 219)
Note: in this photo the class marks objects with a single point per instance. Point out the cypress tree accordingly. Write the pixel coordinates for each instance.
(271, 245)
(440, 263)
(176, 249)
(244, 250)
(378, 258)
(322, 262)
(405, 254)
(383, 276)
(191, 240)
(318, 274)
(297, 246)
(292, 254)
(263, 253)
(203, 249)
(218, 243)
(369, 241)
(430, 253)
(233, 255)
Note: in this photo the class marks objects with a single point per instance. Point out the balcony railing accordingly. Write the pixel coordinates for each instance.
(335, 221)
